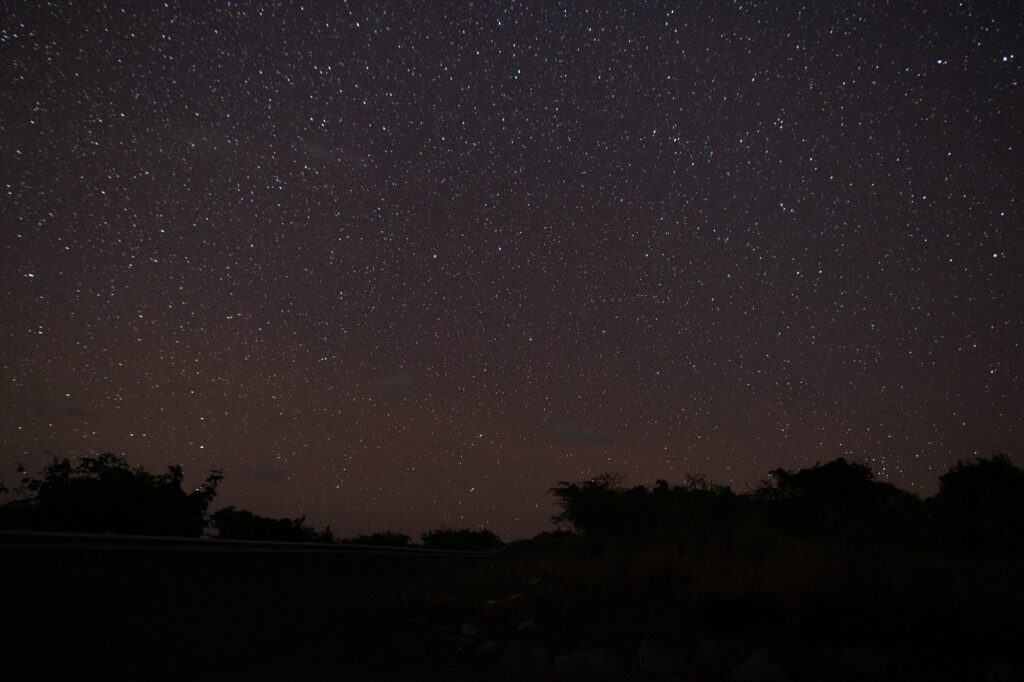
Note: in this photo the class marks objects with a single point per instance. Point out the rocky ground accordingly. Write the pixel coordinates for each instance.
(774, 608)
(534, 632)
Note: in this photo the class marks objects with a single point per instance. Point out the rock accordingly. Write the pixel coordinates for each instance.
(862, 663)
(587, 660)
(759, 666)
(518, 655)
(485, 649)
(407, 645)
(456, 642)
(526, 625)
(469, 630)
(999, 670)
(663, 655)
(503, 603)
(441, 630)
(717, 656)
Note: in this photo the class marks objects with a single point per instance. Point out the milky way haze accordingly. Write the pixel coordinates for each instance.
(410, 264)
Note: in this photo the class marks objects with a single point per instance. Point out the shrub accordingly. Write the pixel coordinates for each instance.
(102, 494)
(386, 538)
(980, 506)
(461, 539)
(239, 524)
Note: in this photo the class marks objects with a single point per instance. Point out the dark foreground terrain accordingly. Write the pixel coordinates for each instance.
(771, 609)
(819, 574)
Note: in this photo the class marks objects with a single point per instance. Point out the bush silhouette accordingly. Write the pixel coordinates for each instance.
(980, 505)
(461, 539)
(837, 497)
(102, 494)
(979, 509)
(847, 480)
(557, 534)
(239, 524)
(385, 538)
(603, 507)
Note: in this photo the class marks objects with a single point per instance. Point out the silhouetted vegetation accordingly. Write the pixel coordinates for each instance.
(604, 508)
(384, 538)
(239, 524)
(837, 498)
(979, 508)
(102, 494)
(461, 539)
(824, 572)
(557, 534)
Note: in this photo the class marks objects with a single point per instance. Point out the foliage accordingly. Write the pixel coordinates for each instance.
(994, 482)
(980, 505)
(604, 507)
(238, 524)
(822, 481)
(461, 539)
(558, 534)
(102, 494)
(979, 509)
(838, 497)
(384, 538)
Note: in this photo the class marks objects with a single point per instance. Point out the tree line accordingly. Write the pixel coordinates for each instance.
(979, 507)
(104, 494)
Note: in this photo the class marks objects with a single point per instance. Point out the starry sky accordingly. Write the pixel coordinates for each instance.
(405, 264)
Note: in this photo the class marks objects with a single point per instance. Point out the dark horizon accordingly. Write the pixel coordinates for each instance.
(105, 493)
(15, 491)
(394, 266)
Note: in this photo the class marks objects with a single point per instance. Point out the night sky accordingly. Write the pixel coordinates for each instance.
(401, 265)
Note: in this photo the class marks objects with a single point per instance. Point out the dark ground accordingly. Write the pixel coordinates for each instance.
(544, 610)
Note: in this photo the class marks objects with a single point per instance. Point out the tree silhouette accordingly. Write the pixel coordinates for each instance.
(837, 497)
(848, 480)
(238, 524)
(384, 538)
(603, 507)
(461, 539)
(980, 505)
(102, 494)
